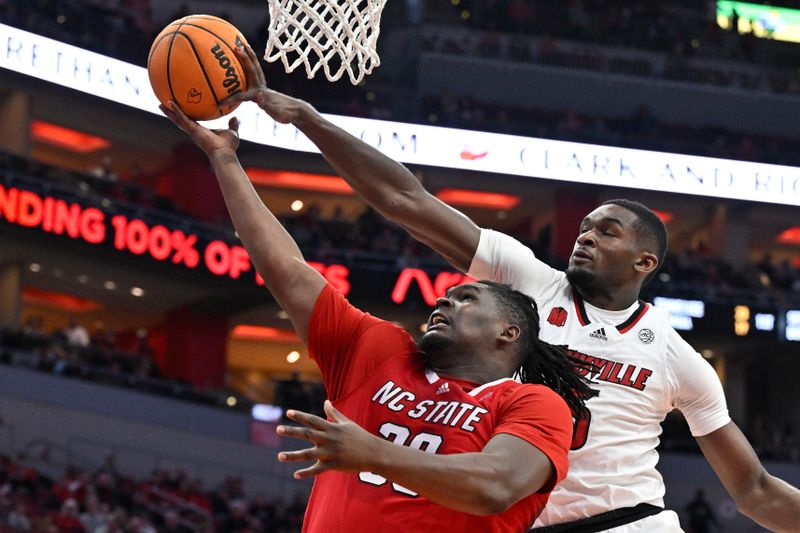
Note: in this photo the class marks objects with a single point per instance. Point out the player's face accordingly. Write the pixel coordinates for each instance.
(463, 320)
(607, 248)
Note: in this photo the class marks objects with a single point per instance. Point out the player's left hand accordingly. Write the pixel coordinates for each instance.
(339, 443)
(281, 107)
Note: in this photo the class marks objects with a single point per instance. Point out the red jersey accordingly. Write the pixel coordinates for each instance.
(376, 376)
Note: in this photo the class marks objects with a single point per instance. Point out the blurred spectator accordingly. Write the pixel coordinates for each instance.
(76, 334)
(643, 122)
(140, 524)
(104, 178)
(67, 520)
(701, 516)
(18, 519)
(295, 393)
(520, 15)
(33, 325)
(237, 520)
(171, 523)
(136, 506)
(570, 125)
(94, 517)
(100, 360)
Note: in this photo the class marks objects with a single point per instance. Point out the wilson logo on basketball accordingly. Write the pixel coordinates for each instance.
(231, 81)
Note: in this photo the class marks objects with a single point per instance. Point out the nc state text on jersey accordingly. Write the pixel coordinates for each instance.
(445, 412)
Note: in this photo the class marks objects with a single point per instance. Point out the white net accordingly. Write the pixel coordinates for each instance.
(336, 35)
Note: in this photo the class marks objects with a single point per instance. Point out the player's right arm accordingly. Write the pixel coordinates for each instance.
(764, 498)
(527, 454)
(698, 393)
(383, 183)
(294, 284)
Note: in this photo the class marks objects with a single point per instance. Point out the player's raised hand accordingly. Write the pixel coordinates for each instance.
(210, 141)
(339, 443)
(282, 108)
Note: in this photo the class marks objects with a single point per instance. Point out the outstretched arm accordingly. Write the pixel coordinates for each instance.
(383, 183)
(293, 283)
(505, 471)
(770, 501)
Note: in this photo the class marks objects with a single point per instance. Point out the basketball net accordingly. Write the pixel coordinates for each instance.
(336, 35)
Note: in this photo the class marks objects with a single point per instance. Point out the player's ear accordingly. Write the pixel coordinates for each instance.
(646, 263)
(510, 333)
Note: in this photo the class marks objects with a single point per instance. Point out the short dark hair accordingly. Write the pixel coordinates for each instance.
(541, 362)
(649, 227)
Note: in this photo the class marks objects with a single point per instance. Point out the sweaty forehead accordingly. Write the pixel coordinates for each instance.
(613, 213)
(465, 286)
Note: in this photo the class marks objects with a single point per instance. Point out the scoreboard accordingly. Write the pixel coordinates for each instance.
(732, 318)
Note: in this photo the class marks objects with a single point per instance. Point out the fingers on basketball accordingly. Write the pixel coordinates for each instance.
(255, 65)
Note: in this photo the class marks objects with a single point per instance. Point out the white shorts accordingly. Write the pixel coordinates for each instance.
(663, 522)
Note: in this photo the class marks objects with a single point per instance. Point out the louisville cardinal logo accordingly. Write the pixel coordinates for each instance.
(558, 316)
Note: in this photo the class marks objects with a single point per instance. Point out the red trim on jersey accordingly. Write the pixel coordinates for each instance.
(580, 310)
(623, 327)
(634, 318)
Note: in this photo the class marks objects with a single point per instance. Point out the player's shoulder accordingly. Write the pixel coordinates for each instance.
(651, 327)
(512, 249)
(659, 313)
(677, 345)
(558, 292)
(540, 391)
(389, 331)
(534, 393)
(682, 359)
(332, 308)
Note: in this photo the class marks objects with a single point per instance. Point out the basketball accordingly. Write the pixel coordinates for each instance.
(193, 63)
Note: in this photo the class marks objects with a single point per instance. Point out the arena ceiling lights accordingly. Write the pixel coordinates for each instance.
(127, 84)
(789, 236)
(333, 184)
(298, 180)
(58, 300)
(481, 199)
(262, 333)
(63, 137)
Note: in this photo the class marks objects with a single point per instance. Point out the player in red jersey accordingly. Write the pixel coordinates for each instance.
(455, 400)
(481, 451)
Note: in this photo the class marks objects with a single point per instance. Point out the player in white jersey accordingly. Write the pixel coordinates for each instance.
(643, 371)
(646, 368)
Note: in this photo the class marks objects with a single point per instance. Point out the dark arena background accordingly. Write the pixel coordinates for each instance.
(145, 367)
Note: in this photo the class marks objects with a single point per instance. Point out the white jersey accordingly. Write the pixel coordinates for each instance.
(644, 370)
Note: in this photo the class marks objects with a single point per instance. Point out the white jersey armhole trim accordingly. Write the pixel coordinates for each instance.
(431, 376)
(475, 391)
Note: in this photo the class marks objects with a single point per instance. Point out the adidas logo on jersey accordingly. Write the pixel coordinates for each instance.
(599, 334)
(443, 388)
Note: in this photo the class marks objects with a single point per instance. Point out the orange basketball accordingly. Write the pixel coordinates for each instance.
(192, 62)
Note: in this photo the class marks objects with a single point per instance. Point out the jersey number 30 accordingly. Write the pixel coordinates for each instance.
(427, 442)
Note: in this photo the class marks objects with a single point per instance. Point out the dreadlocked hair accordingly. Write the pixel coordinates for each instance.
(544, 363)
